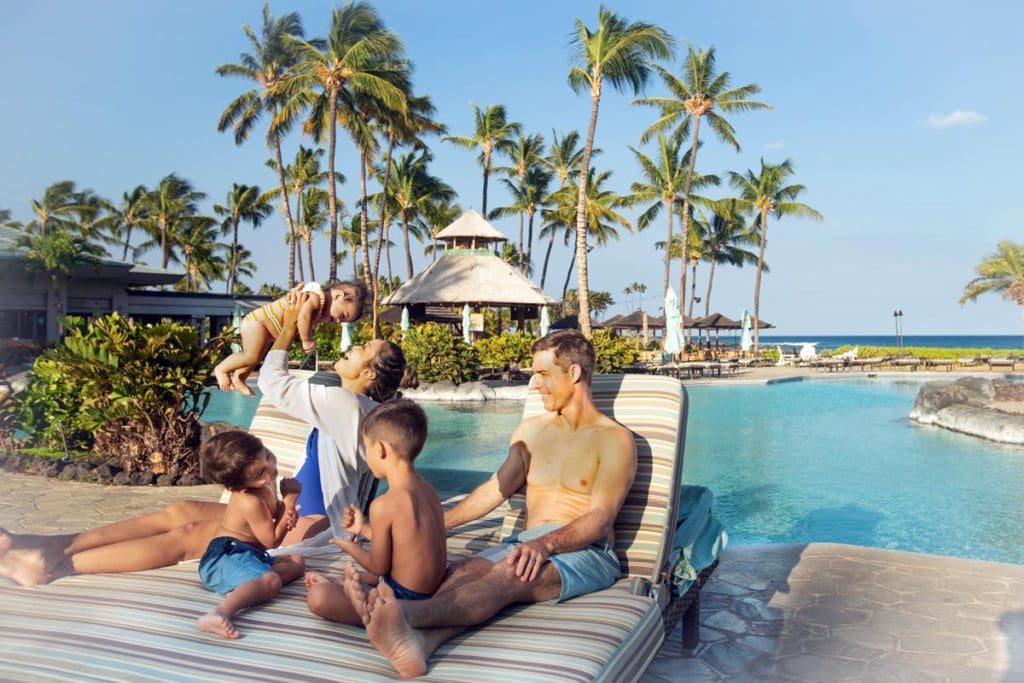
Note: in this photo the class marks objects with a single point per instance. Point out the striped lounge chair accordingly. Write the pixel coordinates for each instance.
(141, 626)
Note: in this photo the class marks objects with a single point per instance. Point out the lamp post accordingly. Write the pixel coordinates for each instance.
(897, 317)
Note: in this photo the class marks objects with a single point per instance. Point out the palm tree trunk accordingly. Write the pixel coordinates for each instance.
(285, 206)
(296, 250)
(682, 309)
(354, 249)
(363, 220)
(668, 248)
(232, 274)
(332, 199)
(405, 240)
(547, 257)
(382, 230)
(757, 284)
(568, 273)
(583, 291)
(487, 172)
(299, 232)
(165, 248)
(711, 279)
(529, 247)
(433, 251)
(522, 264)
(693, 286)
(686, 194)
(309, 253)
(127, 242)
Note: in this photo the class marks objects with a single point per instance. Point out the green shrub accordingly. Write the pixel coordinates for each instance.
(613, 353)
(505, 349)
(137, 390)
(926, 352)
(439, 354)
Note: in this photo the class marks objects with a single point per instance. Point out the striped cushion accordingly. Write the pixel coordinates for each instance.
(141, 627)
(654, 408)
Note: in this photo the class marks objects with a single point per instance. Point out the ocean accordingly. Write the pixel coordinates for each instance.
(1002, 341)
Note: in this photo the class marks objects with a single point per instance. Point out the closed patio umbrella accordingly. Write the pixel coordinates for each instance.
(465, 324)
(236, 322)
(746, 339)
(673, 324)
(346, 337)
(545, 321)
(405, 318)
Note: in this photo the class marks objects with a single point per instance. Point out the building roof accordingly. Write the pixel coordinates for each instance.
(121, 271)
(472, 224)
(469, 277)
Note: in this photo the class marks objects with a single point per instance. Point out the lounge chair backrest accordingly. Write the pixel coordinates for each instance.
(654, 408)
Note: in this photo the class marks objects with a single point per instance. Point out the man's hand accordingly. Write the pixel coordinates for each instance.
(290, 487)
(294, 293)
(528, 559)
(353, 520)
(308, 346)
(292, 309)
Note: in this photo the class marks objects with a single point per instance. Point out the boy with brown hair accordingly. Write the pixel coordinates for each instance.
(236, 562)
(408, 549)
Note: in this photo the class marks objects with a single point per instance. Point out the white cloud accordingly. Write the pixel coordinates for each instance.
(773, 145)
(956, 118)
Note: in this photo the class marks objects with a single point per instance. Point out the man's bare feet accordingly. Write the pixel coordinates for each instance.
(391, 634)
(355, 590)
(26, 567)
(218, 625)
(239, 385)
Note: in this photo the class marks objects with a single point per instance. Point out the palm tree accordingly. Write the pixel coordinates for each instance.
(56, 253)
(726, 235)
(695, 96)
(619, 52)
(564, 161)
(436, 215)
(88, 211)
(766, 193)
(358, 58)
(492, 132)
(529, 195)
(55, 208)
(602, 216)
(123, 218)
(242, 265)
(412, 186)
(1002, 273)
(244, 203)
(302, 173)
(268, 66)
(200, 252)
(169, 204)
(526, 153)
(313, 219)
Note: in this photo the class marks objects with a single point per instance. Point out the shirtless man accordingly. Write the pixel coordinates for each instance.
(577, 465)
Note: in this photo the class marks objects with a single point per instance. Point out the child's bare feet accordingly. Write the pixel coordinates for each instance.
(391, 634)
(26, 567)
(223, 379)
(313, 578)
(218, 625)
(239, 385)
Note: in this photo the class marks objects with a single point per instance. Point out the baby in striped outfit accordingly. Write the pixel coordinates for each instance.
(339, 303)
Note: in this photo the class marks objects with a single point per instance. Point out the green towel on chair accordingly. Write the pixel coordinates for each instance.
(699, 538)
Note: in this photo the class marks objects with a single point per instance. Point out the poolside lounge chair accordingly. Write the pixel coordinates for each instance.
(946, 363)
(141, 626)
(1002, 362)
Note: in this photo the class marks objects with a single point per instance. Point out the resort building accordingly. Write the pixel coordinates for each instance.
(30, 305)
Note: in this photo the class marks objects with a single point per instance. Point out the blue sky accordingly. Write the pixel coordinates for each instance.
(901, 119)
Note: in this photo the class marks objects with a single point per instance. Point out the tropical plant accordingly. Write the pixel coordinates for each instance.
(438, 354)
(170, 205)
(492, 132)
(49, 409)
(122, 218)
(612, 353)
(506, 349)
(55, 209)
(639, 289)
(695, 96)
(200, 253)
(358, 59)
(271, 290)
(268, 66)
(765, 193)
(412, 188)
(600, 301)
(619, 52)
(726, 235)
(563, 160)
(526, 154)
(56, 253)
(437, 214)
(243, 203)
(141, 389)
(1001, 273)
(529, 195)
(88, 211)
(242, 265)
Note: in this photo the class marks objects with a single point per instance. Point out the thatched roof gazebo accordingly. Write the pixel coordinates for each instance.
(635, 321)
(468, 272)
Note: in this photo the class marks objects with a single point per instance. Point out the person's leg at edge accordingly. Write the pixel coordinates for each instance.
(178, 532)
(218, 620)
(328, 599)
(408, 632)
(256, 339)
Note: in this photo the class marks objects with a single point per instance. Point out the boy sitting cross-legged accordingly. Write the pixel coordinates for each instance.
(406, 528)
(236, 561)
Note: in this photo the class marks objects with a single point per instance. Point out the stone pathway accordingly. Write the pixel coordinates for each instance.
(817, 612)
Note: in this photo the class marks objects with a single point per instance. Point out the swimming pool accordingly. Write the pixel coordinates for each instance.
(797, 462)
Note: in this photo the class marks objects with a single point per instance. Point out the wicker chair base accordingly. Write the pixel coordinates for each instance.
(687, 608)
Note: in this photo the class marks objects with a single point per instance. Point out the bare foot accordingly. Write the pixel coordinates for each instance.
(223, 380)
(239, 385)
(391, 634)
(355, 591)
(218, 625)
(26, 567)
(313, 578)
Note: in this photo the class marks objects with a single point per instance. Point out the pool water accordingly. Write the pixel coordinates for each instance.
(820, 461)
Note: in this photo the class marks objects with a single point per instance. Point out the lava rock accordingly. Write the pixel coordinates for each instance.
(84, 473)
(48, 467)
(121, 479)
(104, 472)
(68, 473)
(141, 478)
(190, 479)
(166, 479)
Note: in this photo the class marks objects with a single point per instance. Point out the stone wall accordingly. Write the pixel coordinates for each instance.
(968, 405)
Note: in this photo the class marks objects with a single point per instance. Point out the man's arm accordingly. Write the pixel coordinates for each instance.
(612, 481)
(509, 478)
(305, 322)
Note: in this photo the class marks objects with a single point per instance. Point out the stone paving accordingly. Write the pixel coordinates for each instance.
(817, 612)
